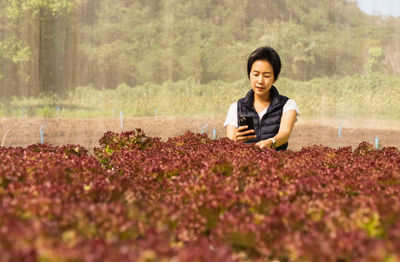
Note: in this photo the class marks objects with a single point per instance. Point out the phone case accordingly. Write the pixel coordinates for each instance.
(246, 121)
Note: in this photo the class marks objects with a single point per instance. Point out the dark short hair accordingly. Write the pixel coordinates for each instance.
(265, 53)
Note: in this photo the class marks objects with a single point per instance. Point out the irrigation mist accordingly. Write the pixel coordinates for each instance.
(71, 70)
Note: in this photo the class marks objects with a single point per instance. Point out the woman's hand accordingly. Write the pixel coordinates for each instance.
(285, 129)
(242, 135)
(238, 134)
(265, 143)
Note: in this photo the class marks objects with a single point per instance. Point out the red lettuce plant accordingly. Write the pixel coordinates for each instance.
(194, 198)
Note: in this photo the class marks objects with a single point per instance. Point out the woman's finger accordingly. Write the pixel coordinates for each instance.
(247, 132)
(240, 128)
(246, 135)
(260, 144)
(245, 138)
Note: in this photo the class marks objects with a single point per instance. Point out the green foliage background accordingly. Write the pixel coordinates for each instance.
(179, 57)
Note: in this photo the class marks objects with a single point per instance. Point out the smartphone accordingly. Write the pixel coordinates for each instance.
(246, 121)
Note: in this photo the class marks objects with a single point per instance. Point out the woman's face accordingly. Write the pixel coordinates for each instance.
(261, 78)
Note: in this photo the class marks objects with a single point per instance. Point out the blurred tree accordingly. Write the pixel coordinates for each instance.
(375, 58)
(15, 52)
(57, 51)
(391, 43)
(392, 57)
(56, 45)
(39, 38)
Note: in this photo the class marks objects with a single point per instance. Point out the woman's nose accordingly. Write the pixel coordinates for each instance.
(260, 79)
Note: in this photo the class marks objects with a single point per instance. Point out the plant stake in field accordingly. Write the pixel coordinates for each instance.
(214, 136)
(4, 137)
(203, 128)
(122, 120)
(376, 143)
(41, 134)
(340, 131)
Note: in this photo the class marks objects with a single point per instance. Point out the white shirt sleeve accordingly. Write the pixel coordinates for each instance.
(291, 105)
(231, 117)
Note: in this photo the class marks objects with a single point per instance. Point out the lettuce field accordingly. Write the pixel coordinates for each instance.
(191, 198)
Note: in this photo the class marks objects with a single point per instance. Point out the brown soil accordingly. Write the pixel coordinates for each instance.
(87, 132)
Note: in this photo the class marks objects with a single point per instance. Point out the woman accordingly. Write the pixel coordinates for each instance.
(273, 114)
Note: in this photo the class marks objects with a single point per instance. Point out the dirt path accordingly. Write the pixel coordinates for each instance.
(87, 132)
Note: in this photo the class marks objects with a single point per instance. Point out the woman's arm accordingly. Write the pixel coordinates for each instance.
(230, 132)
(285, 129)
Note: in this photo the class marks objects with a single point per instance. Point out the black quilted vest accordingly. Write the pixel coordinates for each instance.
(269, 125)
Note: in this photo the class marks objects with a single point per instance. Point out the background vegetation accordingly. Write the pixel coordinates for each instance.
(177, 57)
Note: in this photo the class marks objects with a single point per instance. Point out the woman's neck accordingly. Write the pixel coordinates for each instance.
(266, 99)
(261, 102)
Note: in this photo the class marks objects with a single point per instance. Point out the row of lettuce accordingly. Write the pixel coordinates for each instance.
(192, 198)
(372, 95)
